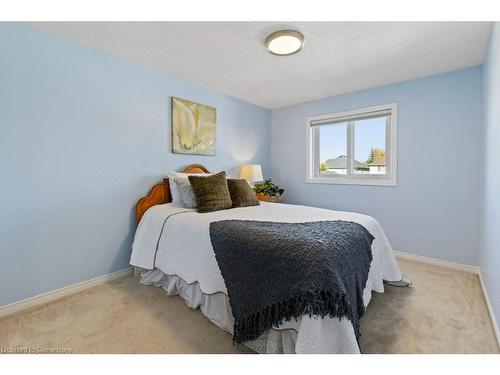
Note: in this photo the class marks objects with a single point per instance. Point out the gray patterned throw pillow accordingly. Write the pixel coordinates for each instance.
(186, 192)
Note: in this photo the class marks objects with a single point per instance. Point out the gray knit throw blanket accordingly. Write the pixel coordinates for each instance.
(279, 271)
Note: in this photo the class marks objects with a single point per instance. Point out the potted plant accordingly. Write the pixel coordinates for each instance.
(267, 191)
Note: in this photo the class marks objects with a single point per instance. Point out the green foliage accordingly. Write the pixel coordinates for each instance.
(376, 154)
(323, 167)
(269, 188)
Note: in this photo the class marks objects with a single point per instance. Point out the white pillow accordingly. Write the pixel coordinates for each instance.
(174, 190)
(186, 192)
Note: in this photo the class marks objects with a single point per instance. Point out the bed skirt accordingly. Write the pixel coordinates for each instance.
(217, 309)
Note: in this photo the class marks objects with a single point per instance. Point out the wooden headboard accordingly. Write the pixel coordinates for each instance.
(160, 193)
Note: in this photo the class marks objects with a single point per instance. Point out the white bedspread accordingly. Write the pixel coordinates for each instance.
(177, 241)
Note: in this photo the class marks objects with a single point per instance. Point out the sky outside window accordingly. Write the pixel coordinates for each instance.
(368, 134)
(332, 141)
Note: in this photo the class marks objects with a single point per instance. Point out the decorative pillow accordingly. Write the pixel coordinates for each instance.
(174, 190)
(241, 193)
(186, 192)
(212, 193)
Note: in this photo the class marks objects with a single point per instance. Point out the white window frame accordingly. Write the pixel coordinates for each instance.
(312, 148)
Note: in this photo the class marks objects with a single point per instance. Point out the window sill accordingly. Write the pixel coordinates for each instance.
(340, 180)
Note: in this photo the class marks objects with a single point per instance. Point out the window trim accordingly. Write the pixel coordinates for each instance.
(390, 179)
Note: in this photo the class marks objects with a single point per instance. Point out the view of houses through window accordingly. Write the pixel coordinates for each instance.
(368, 143)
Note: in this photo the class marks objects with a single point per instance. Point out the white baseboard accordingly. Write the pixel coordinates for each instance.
(62, 292)
(490, 310)
(460, 267)
(438, 262)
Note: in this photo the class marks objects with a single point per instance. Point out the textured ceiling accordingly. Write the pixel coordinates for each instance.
(338, 57)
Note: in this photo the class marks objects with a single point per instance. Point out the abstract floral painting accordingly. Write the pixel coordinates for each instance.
(194, 128)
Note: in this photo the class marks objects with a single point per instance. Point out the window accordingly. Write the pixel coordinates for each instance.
(355, 147)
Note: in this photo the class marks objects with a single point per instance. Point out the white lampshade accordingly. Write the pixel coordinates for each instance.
(252, 173)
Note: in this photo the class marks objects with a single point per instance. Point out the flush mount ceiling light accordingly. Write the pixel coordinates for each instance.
(284, 42)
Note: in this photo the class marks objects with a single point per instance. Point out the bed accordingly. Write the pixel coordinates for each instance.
(172, 249)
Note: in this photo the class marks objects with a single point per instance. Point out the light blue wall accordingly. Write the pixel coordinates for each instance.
(434, 209)
(82, 136)
(489, 251)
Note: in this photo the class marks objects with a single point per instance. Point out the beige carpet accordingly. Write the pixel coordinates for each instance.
(443, 312)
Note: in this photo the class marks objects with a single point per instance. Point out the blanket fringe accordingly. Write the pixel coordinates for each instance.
(317, 303)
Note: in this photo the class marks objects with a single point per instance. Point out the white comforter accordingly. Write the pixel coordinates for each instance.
(176, 241)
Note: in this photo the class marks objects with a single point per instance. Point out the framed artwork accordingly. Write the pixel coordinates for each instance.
(194, 128)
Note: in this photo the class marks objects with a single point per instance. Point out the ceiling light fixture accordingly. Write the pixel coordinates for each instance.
(284, 42)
